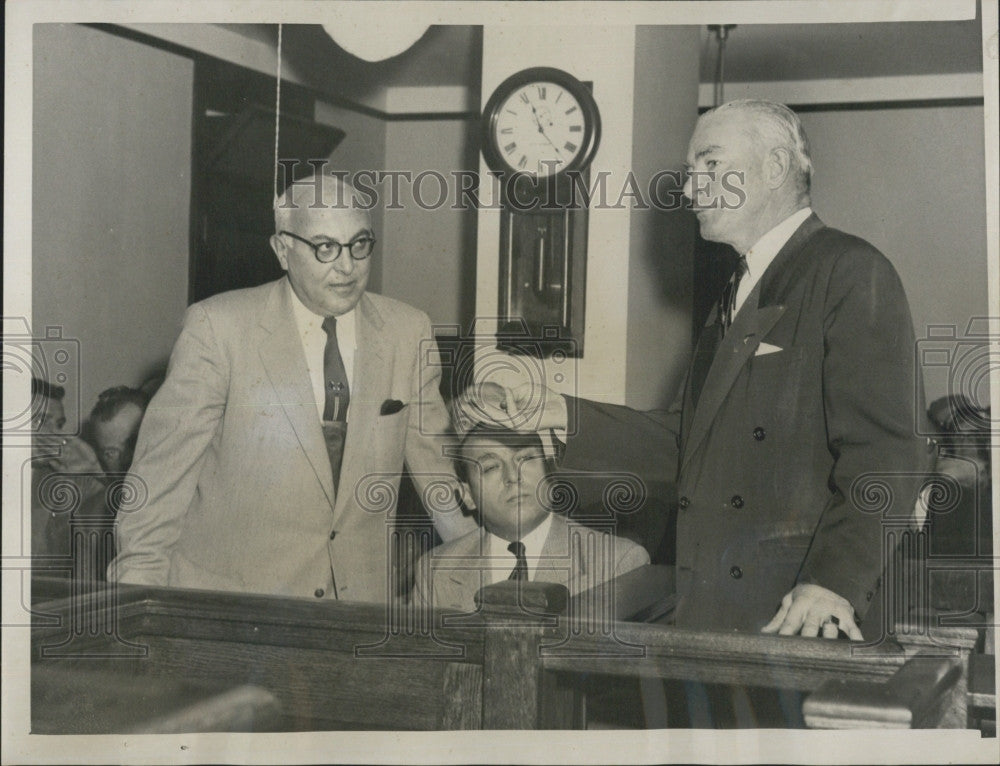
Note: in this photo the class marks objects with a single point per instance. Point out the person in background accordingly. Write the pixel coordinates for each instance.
(64, 473)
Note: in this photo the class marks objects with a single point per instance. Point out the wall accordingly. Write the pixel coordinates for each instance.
(662, 241)
(429, 254)
(110, 195)
(912, 182)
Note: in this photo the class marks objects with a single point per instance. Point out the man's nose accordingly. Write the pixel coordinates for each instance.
(510, 474)
(344, 263)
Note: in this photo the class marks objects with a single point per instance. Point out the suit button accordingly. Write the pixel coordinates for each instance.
(737, 501)
(319, 593)
(759, 434)
(684, 502)
(736, 573)
(868, 596)
(333, 533)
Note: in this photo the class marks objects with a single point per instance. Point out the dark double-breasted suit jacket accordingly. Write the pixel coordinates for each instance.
(798, 446)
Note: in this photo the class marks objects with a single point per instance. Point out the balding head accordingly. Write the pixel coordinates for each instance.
(316, 193)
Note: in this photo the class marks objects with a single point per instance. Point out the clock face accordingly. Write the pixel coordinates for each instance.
(540, 129)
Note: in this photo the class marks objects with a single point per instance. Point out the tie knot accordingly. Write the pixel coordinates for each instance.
(517, 548)
(330, 326)
(742, 267)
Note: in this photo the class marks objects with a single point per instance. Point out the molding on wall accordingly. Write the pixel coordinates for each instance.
(928, 89)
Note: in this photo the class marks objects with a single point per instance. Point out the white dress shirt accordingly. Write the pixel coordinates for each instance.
(764, 250)
(314, 344)
(502, 561)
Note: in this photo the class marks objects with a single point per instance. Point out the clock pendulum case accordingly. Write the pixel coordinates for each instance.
(540, 131)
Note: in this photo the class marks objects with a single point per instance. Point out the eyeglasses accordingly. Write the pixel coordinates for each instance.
(329, 251)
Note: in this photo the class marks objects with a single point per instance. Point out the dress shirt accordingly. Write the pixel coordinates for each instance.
(764, 250)
(502, 561)
(314, 343)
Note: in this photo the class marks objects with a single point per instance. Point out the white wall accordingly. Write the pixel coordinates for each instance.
(111, 192)
(912, 182)
(428, 257)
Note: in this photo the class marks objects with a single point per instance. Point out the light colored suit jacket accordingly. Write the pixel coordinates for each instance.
(458, 569)
(235, 490)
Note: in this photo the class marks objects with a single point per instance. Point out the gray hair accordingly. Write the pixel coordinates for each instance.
(775, 126)
(318, 192)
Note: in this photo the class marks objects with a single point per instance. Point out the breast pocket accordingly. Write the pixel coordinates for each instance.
(778, 380)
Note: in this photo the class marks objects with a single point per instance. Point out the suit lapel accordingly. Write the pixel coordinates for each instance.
(556, 556)
(760, 313)
(285, 362)
(370, 372)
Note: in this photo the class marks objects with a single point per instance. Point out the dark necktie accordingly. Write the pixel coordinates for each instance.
(727, 305)
(335, 383)
(708, 344)
(337, 397)
(520, 571)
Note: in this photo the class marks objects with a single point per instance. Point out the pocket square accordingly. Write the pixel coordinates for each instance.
(766, 348)
(391, 407)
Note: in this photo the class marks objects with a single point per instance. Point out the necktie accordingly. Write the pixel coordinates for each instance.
(727, 305)
(336, 387)
(520, 571)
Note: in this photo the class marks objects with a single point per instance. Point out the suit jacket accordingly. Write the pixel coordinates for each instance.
(238, 490)
(790, 461)
(456, 568)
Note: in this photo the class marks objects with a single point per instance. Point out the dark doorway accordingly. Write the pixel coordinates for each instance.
(233, 183)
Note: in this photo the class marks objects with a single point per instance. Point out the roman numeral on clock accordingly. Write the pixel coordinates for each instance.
(569, 146)
(510, 147)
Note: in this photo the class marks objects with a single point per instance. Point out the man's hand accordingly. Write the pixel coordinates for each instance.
(808, 609)
(529, 406)
(74, 455)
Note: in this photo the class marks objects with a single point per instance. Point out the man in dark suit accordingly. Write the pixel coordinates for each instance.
(793, 434)
(268, 460)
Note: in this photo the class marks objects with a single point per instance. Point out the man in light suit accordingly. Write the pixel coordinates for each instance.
(793, 435)
(265, 459)
(520, 537)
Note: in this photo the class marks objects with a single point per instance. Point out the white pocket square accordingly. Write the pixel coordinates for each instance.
(766, 348)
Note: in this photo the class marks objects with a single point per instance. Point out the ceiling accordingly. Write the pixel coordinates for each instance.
(451, 55)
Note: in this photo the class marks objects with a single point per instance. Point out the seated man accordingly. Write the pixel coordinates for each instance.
(63, 471)
(520, 538)
(115, 421)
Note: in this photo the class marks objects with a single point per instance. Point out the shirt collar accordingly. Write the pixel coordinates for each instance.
(765, 249)
(308, 322)
(534, 541)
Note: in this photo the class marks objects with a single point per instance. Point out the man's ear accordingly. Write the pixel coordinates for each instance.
(777, 167)
(278, 246)
(463, 496)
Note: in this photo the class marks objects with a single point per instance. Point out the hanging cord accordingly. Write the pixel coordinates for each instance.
(721, 35)
(277, 118)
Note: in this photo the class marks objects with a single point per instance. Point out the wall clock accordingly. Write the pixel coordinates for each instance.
(540, 131)
(540, 121)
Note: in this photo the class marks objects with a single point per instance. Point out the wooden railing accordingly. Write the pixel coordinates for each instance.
(519, 662)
